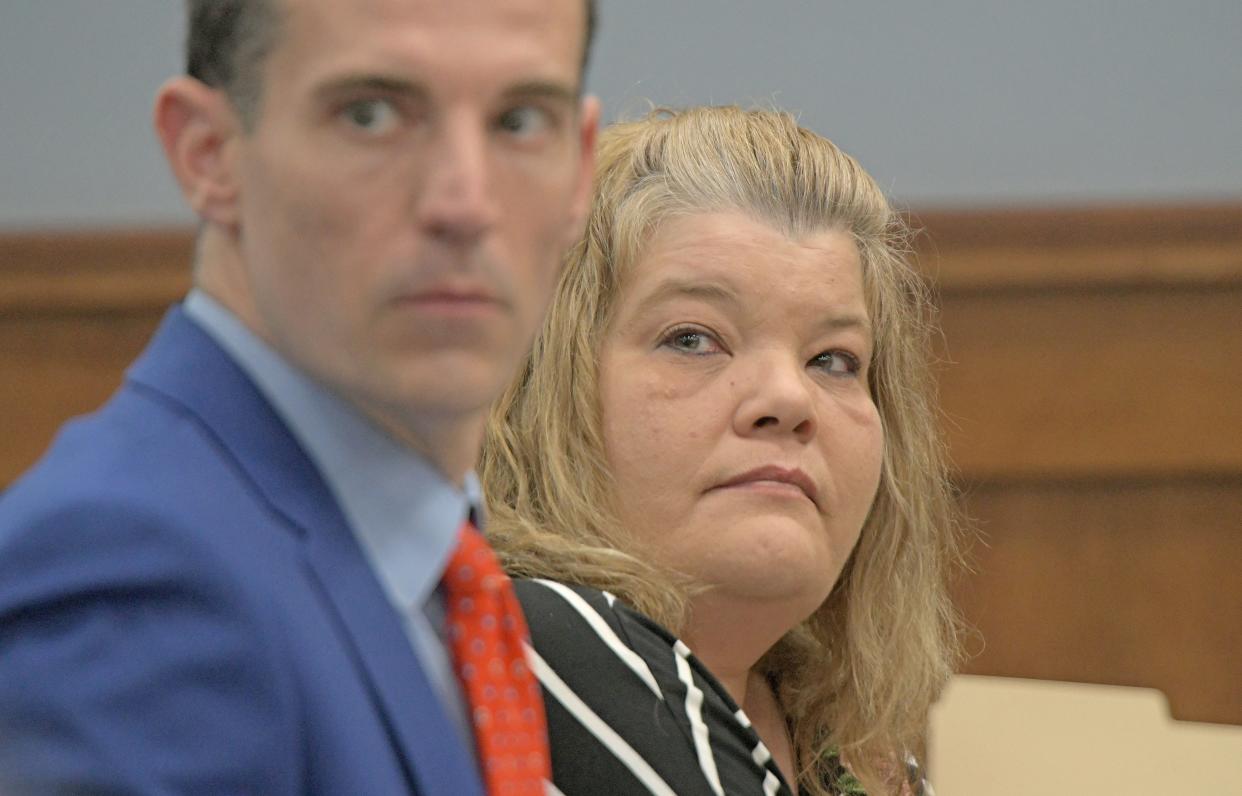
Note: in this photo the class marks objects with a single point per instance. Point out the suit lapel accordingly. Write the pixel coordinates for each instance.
(415, 714)
(185, 365)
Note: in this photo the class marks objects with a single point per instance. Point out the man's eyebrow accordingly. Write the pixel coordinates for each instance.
(384, 84)
(372, 84)
(542, 89)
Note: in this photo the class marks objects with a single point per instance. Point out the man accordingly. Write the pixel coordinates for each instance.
(231, 578)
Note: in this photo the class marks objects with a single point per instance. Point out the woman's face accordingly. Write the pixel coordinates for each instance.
(738, 425)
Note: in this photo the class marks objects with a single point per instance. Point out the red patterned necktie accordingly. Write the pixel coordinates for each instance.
(487, 633)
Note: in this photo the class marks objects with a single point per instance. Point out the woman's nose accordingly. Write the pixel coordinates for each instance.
(776, 396)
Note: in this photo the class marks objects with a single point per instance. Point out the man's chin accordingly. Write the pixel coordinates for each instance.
(449, 391)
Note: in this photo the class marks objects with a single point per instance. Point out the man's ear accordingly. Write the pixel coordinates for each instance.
(587, 133)
(198, 128)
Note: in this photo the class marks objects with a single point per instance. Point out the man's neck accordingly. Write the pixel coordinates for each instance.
(451, 444)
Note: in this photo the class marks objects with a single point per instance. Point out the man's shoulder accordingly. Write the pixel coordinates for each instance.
(126, 602)
(134, 515)
(136, 484)
(132, 452)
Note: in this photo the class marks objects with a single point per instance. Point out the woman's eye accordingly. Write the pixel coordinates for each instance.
(692, 341)
(841, 363)
(374, 116)
(526, 121)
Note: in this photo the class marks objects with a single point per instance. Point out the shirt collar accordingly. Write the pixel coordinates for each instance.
(404, 512)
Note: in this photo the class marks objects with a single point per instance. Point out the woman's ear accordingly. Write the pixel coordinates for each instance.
(197, 126)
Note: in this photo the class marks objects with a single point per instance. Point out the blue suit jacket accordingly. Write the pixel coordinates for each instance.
(183, 609)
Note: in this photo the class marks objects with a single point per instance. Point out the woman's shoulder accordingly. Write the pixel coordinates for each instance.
(556, 610)
(583, 631)
(553, 601)
(579, 626)
(628, 702)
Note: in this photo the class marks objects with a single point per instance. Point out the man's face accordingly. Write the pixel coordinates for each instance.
(415, 172)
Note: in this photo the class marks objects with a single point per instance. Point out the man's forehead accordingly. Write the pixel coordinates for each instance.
(568, 14)
(552, 28)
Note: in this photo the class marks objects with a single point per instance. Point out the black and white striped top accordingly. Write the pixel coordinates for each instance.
(630, 709)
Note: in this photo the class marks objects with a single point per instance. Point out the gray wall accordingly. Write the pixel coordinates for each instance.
(955, 102)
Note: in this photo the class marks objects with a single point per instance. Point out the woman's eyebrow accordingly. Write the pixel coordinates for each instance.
(846, 320)
(712, 291)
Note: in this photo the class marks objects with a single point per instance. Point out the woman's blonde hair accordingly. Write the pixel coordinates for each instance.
(855, 679)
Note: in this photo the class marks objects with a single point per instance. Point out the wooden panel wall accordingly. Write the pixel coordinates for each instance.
(74, 311)
(1093, 397)
(1092, 393)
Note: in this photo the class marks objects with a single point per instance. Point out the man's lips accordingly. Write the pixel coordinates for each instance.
(775, 473)
(451, 298)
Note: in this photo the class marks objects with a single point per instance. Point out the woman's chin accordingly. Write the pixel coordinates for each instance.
(785, 596)
(771, 559)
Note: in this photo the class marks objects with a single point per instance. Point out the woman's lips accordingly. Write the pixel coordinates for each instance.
(776, 477)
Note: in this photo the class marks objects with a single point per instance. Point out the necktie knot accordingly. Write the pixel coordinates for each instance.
(473, 567)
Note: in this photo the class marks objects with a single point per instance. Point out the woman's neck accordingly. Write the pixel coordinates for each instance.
(730, 644)
(768, 718)
(730, 636)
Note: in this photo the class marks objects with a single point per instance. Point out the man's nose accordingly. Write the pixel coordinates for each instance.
(457, 203)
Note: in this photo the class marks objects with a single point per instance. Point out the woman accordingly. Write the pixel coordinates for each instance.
(725, 434)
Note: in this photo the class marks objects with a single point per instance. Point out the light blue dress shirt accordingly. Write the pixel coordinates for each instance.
(405, 513)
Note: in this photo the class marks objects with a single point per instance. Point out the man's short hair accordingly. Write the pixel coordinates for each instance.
(229, 39)
(226, 45)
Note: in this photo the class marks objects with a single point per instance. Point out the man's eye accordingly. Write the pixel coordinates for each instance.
(375, 116)
(526, 121)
